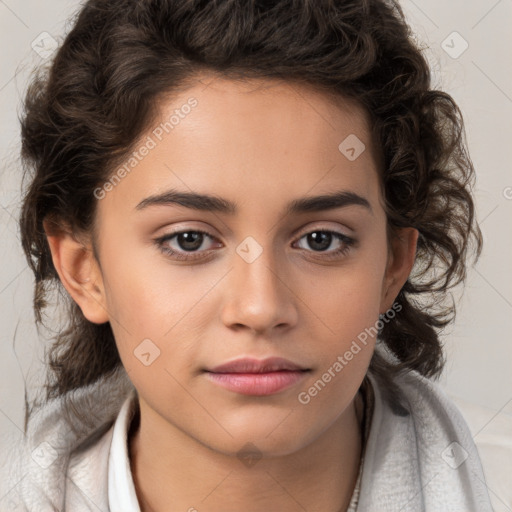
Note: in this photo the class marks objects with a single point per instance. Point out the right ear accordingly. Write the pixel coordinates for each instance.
(78, 271)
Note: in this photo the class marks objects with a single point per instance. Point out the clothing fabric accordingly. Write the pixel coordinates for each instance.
(491, 429)
(121, 489)
(368, 396)
(417, 458)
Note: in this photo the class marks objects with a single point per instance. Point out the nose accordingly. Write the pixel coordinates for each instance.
(259, 296)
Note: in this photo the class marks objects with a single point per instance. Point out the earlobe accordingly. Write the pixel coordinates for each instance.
(78, 271)
(399, 266)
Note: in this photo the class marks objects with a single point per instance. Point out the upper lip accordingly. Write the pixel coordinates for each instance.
(250, 365)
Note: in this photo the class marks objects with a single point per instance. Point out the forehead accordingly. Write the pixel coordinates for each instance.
(251, 140)
(283, 112)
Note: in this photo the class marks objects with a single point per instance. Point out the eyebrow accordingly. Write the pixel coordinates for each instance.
(210, 203)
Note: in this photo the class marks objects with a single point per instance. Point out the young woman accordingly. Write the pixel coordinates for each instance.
(256, 211)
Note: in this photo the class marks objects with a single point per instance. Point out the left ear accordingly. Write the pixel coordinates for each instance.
(401, 256)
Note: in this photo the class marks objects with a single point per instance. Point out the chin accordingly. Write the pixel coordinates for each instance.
(270, 438)
(251, 449)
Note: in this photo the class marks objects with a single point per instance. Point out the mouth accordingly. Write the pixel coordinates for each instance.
(248, 376)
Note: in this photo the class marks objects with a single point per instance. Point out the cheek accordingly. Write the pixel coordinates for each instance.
(148, 295)
(348, 298)
(345, 328)
(343, 310)
(138, 304)
(169, 305)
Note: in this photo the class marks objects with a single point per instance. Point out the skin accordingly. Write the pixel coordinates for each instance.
(259, 144)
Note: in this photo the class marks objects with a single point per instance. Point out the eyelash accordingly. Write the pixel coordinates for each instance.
(347, 241)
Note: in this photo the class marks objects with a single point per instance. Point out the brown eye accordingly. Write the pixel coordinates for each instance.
(321, 240)
(189, 240)
(180, 243)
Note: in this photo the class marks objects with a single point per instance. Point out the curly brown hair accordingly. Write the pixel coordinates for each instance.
(84, 112)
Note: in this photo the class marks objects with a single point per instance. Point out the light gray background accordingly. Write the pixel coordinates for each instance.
(478, 346)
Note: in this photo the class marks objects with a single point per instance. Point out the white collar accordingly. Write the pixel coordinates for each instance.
(121, 489)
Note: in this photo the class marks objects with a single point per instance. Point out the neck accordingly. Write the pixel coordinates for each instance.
(176, 470)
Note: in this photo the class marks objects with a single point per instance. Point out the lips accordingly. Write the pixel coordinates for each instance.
(254, 377)
(248, 365)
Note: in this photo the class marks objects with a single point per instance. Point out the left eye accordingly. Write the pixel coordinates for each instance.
(321, 240)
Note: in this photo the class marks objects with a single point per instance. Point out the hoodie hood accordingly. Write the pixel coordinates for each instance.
(35, 467)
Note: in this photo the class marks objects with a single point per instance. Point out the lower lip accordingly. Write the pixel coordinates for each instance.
(257, 383)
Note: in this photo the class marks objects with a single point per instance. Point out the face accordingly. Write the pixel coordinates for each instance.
(258, 269)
